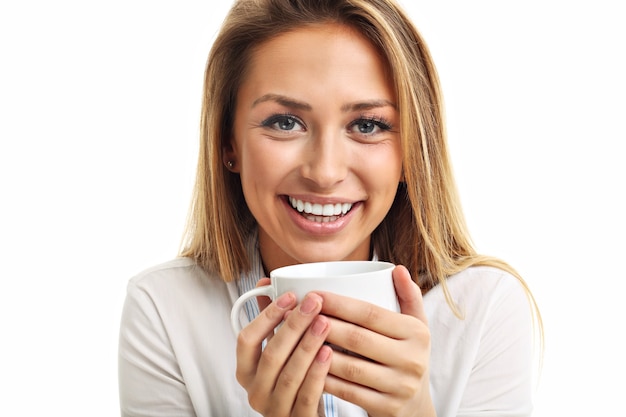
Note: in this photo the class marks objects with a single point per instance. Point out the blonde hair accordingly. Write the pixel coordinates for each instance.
(424, 230)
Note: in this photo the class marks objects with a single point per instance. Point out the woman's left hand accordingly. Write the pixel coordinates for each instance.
(393, 377)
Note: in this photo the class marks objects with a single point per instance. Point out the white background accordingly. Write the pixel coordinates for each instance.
(99, 108)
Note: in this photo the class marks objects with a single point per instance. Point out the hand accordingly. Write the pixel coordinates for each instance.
(390, 378)
(287, 377)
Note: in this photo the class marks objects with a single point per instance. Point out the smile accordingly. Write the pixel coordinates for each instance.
(320, 213)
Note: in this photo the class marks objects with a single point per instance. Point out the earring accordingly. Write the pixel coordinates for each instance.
(230, 164)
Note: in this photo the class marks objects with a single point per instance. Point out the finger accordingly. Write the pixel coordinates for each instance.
(409, 294)
(375, 402)
(364, 372)
(364, 314)
(354, 340)
(279, 350)
(377, 347)
(379, 401)
(310, 393)
(251, 337)
(263, 301)
(359, 341)
(302, 377)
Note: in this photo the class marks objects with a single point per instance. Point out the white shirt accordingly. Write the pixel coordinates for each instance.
(177, 349)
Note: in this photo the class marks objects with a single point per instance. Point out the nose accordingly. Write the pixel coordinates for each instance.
(326, 162)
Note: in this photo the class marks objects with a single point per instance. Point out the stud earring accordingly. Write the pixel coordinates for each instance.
(230, 164)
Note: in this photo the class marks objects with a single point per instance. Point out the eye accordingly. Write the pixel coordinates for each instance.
(283, 122)
(369, 126)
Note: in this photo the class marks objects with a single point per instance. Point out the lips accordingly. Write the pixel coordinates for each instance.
(320, 213)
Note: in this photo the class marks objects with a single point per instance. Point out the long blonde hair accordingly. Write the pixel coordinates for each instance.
(424, 230)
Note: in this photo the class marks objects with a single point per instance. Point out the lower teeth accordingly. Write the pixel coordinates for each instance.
(321, 219)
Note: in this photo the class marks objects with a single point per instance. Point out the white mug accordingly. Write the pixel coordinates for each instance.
(365, 280)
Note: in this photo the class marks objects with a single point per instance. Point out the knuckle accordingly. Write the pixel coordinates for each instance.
(420, 369)
(353, 372)
(424, 334)
(371, 313)
(246, 341)
(307, 348)
(272, 313)
(406, 387)
(355, 339)
(243, 339)
(421, 331)
(292, 324)
(416, 366)
(241, 377)
(256, 401)
(348, 395)
(270, 357)
(307, 400)
(393, 408)
(286, 380)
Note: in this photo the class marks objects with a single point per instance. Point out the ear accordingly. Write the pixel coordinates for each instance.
(229, 158)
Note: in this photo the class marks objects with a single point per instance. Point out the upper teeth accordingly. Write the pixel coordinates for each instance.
(320, 209)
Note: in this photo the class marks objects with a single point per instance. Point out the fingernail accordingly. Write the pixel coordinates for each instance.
(309, 304)
(285, 300)
(319, 326)
(324, 354)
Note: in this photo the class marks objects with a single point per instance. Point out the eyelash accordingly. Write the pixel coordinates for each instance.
(380, 122)
(276, 118)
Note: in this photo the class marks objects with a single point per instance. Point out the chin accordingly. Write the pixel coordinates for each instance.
(326, 255)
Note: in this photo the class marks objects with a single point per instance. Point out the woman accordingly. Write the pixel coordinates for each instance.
(322, 138)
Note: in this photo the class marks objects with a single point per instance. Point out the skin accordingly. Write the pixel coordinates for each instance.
(333, 85)
(335, 144)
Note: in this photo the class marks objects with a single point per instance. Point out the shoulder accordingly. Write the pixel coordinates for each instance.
(477, 285)
(179, 272)
(180, 298)
(177, 284)
(480, 294)
(174, 313)
(483, 278)
(175, 269)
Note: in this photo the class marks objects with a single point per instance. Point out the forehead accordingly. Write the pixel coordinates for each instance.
(333, 35)
(319, 56)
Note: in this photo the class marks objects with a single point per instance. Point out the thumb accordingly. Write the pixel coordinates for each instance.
(409, 294)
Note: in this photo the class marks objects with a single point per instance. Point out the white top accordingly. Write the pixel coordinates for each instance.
(177, 349)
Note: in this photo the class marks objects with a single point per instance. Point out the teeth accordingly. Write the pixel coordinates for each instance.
(322, 219)
(318, 210)
(329, 212)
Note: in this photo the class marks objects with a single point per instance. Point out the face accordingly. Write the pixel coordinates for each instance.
(316, 144)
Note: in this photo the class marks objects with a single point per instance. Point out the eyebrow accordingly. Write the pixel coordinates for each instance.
(284, 101)
(367, 105)
(299, 105)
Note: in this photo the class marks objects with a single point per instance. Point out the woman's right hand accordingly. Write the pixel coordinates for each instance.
(287, 377)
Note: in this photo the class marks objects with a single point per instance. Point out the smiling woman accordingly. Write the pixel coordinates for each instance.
(307, 127)
(323, 140)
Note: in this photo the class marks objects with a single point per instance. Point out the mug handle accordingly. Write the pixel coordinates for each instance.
(267, 290)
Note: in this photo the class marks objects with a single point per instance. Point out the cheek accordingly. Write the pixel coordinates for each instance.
(263, 163)
(269, 155)
(383, 168)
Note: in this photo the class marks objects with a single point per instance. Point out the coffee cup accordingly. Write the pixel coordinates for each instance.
(369, 281)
